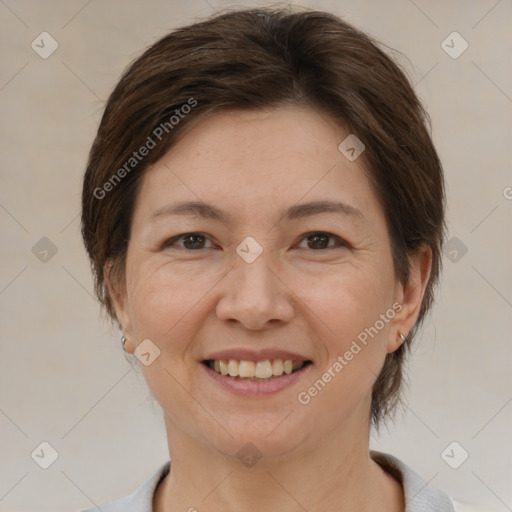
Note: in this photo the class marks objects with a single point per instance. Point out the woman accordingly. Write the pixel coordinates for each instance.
(264, 212)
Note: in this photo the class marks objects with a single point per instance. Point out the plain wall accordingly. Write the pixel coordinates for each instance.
(63, 376)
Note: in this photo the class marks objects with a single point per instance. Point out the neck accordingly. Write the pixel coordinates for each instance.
(331, 476)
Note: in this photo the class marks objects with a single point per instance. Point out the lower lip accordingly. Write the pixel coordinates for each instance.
(256, 388)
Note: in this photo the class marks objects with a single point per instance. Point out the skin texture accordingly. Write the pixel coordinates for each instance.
(294, 296)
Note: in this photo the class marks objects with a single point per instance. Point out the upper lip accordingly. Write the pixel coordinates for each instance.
(245, 354)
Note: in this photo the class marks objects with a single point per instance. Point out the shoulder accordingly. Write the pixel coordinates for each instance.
(138, 501)
(419, 495)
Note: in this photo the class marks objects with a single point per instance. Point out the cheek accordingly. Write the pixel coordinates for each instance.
(349, 299)
(165, 300)
(168, 306)
(350, 304)
(354, 340)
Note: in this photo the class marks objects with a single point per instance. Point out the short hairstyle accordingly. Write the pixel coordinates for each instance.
(253, 59)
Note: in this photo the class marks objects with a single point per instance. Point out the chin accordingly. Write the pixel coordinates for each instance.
(261, 436)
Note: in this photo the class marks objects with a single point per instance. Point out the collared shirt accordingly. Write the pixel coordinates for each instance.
(419, 496)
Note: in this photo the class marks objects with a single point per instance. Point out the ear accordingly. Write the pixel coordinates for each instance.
(410, 295)
(116, 288)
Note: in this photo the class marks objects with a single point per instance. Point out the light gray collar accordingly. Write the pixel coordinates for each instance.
(419, 495)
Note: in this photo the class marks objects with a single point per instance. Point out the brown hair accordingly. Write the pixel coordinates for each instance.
(265, 58)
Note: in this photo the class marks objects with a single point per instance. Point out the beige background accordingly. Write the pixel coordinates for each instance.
(63, 376)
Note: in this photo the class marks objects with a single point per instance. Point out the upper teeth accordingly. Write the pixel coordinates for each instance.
(260, 369)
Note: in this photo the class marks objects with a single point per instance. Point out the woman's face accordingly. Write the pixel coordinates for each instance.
(287, 256)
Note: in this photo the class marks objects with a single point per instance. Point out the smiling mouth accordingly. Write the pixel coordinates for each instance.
(255, 370)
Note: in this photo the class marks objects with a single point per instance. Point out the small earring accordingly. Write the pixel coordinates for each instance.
(123, 341)
(402, 337)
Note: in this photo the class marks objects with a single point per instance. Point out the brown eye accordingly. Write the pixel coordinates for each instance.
(320, 240)
(189, 241)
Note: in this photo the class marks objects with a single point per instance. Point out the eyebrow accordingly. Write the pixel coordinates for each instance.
(208, 211)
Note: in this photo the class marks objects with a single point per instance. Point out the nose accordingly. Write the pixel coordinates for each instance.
(255, 296)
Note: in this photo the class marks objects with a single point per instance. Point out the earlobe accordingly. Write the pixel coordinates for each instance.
(116, 291)
(411, 296)
(396, 342)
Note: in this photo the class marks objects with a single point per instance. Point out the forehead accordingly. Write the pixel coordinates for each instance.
(245, 139)
(258, 161)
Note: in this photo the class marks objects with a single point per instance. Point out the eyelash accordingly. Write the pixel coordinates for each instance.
(168, 244)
